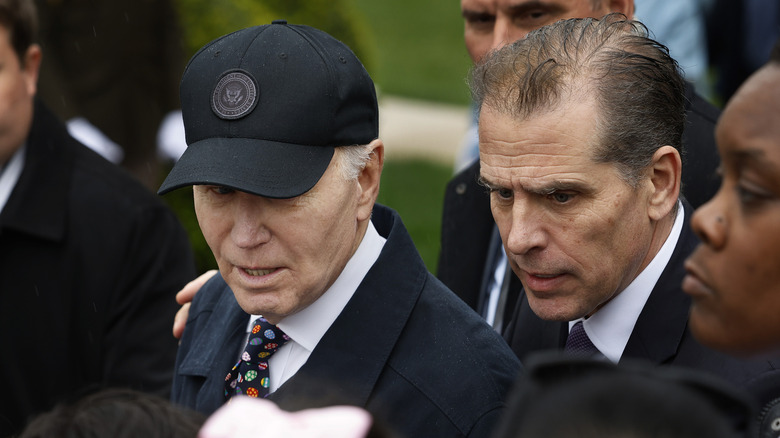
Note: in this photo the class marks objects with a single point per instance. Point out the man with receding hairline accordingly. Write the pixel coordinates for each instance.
(580, 148)
(471, 261)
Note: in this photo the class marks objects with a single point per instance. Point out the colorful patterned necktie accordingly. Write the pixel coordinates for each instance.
(579, 343)
(250, 374)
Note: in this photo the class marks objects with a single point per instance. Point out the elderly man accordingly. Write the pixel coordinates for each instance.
(471, 261)
(282, 123)
(580, 144)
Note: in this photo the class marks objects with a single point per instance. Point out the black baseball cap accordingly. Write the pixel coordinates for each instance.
(264, 108)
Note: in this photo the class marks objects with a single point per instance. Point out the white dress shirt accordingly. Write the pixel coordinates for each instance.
(309, 325)
(611, 326)
(9, 175)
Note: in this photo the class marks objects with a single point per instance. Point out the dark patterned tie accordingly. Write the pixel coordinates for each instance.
(250, 375)
(578, 343)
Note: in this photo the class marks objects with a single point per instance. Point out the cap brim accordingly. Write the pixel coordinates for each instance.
(260, 167)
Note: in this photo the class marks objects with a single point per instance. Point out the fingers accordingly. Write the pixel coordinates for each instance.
(184, 297)
(180, 320)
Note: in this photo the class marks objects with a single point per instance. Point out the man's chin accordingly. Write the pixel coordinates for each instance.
(554, 309)
(254, 304)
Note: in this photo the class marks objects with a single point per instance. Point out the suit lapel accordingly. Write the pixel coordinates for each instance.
(356, 347)
(664, 319)
(215, 350)
(528, 334)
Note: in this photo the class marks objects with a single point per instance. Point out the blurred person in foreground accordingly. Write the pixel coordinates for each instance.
(562, 396)
(90, 260)
(580, 139)
(734, 274)
(321, 294)
(116, 413)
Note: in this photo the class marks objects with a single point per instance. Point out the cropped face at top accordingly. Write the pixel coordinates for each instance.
(575, 232)
(490, 24)
(734, 275)
(17, 89)
(280, 255)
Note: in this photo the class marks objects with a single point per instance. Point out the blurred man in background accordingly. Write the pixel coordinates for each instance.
(90, 259)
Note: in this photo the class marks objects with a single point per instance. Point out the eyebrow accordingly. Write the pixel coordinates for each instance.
(544, 190)
(471, 14)
(756, 158)
(521, 7)
(515, 9)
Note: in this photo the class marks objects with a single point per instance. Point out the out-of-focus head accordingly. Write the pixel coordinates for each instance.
(490, 24)
(281, 124)
(563, 396)
(734, 275)
(580, 133)
(117, 413)
(20, 58)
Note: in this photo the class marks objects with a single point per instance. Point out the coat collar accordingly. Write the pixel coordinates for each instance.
(357, 346)
(664, 319)
(38, 205)
(354, 349)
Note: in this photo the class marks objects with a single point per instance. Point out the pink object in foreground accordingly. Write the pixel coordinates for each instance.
(245, 416)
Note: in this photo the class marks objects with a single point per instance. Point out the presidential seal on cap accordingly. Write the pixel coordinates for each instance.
(265, 107)
(235, 95)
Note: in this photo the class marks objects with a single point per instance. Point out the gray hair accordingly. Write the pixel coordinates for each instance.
(352, 159)
(638, 87)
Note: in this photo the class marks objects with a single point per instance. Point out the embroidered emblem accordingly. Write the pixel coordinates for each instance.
(235, 95)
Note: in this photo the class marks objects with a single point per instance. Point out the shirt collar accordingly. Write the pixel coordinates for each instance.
(611, 326)
(309, 325)
(9, 175)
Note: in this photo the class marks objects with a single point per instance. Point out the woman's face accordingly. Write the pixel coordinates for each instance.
(734, 275)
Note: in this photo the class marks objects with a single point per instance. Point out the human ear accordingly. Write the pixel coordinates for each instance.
(665, 172)
(31, 66)
(369, 177)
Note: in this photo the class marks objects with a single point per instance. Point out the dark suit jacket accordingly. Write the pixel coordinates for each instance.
(661, 334)
(404, 347)
(90, 262)
(467, 222)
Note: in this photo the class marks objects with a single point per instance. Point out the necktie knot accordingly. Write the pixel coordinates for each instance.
(250, 375)
(264, 339)
(579, 343)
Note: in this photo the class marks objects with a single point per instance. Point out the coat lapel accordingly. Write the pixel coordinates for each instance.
(356, 347)
(215, 349)
(664, 319)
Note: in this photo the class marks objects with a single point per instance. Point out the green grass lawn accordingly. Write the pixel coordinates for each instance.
(418, 48)
(415, 188)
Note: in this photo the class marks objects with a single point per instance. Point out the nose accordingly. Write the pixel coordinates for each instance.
(250, 228)
(526, 229)
(710, 222)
